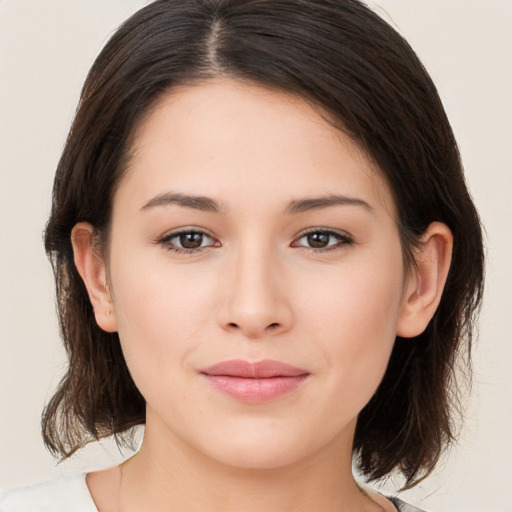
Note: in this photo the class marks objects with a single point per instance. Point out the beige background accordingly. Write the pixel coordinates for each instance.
(46, 47)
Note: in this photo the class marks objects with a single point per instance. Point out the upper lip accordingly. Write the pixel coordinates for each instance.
(266, 368)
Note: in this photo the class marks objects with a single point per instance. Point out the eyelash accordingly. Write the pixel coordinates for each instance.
(342, 238)
(167, 243)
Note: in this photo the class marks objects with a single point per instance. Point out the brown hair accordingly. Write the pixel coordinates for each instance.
(342, 57)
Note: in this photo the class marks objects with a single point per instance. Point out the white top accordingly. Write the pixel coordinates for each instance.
(66, 494)
(71, 494)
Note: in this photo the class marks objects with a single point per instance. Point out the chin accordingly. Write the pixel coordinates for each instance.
(261, 451)
(248, 458)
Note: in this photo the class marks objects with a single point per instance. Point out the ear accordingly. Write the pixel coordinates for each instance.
(91, 267)
(425, 284)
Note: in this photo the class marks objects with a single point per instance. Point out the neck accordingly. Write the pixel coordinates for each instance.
(168, 474)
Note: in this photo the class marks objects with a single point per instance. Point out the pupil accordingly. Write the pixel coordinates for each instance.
(318, 240)
(191, 240)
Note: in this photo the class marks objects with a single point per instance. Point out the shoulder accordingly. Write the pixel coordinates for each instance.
(401, 506)
(61, 495)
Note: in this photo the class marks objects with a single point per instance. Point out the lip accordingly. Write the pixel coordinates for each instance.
(254, 382)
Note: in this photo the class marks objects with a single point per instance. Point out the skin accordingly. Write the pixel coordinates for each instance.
(255, 289)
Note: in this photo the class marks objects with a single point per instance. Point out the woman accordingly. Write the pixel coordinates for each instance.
(266, 253)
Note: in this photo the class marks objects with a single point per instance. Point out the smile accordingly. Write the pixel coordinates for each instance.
(255, 383)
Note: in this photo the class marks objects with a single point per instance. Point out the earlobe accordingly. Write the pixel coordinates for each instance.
(91, 267)
(425, 285)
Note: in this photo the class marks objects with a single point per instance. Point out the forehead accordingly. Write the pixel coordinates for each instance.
(221, 136)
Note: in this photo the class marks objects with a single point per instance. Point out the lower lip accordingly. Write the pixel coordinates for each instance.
(255, 391)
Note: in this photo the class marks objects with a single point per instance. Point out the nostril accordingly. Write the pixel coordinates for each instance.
(274, 325)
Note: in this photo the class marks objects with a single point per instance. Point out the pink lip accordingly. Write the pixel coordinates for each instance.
(255, 382)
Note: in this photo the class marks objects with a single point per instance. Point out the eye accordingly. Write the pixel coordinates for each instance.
(323, 240)
(188, 241)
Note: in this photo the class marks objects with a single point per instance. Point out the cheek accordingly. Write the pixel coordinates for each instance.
(362, 296)
(354, 321)
(161, 315)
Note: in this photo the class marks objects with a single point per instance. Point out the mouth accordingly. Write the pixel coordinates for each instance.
(256, 382)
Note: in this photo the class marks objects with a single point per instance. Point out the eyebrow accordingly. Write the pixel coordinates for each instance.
(202, 203)
(317, 203)
(208, 204)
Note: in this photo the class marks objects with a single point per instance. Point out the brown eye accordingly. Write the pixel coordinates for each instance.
(323, 240)
(191, 240)
(188, 241)
(318, 240)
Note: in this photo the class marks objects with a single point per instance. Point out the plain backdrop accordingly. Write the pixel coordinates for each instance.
(46, 48)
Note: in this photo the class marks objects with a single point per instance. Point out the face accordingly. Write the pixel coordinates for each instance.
(256, 275)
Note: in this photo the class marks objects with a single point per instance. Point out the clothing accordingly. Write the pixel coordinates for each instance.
(71, 494)
(401, 506)
(67, 494)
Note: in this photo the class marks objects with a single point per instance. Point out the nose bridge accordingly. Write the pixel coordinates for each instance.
(255, 299)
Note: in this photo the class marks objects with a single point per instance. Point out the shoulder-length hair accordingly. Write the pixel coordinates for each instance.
(339, 55)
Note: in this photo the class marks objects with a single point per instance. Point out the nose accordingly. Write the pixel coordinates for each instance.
(254, 299)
